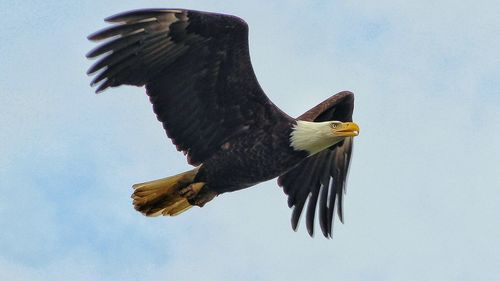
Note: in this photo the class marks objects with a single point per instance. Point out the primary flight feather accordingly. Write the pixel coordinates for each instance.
(198, 76)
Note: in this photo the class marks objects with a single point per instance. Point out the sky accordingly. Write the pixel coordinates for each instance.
(423, 194)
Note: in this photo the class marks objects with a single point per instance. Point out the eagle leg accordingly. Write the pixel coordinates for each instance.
(189, 192)
(203, 195)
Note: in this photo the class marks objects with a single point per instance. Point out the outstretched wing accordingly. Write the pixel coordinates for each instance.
(321, 178)
(197, 71)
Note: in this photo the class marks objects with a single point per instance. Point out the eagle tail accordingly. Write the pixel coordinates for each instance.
(168, 196)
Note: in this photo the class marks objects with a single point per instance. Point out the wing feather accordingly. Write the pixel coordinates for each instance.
(197, 71)
(320, 179)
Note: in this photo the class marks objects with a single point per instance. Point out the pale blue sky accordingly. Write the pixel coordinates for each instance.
(423, 195)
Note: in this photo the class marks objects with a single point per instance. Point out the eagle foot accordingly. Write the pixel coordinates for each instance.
(189, 192)
(204, 196)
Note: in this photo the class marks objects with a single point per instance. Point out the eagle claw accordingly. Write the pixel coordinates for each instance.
(204, 196)
(188, 192)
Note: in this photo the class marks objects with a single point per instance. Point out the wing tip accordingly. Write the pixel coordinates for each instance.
(345, 92)
(98, 90)
(346, 95)
(101, 88)
(132, 14)
(295, 223)
(96, 36)
(95, 52)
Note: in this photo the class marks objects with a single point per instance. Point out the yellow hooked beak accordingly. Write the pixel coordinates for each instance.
(346, 129)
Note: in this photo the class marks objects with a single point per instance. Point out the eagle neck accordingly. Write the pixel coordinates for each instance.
(312, 137)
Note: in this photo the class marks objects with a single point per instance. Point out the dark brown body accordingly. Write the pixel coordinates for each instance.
(250, 158)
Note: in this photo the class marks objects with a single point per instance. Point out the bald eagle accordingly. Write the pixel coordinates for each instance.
(198, 76)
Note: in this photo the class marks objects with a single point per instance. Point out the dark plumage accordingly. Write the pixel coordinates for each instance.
(199, 78)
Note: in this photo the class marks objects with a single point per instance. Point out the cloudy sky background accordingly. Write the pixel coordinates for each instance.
(424, 187)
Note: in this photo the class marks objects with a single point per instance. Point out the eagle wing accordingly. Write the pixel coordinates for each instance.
(197, 71)
(321, 177)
